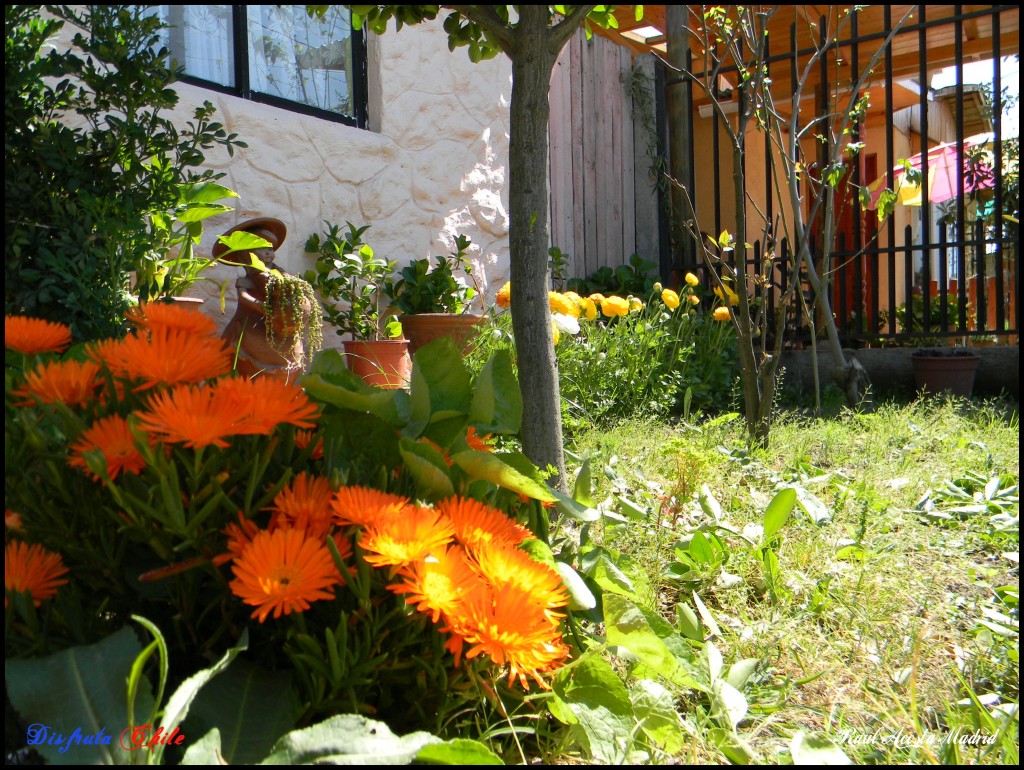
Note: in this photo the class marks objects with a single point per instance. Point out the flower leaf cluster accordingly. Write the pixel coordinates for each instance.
(425, 289)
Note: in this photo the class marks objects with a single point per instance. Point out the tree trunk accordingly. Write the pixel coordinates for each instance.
(532, 63)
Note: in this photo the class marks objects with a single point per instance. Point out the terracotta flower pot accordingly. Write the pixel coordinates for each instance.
(936, 371)
(423, 328)
(383, 363)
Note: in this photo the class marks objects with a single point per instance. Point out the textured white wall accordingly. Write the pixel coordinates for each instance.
(434, 165)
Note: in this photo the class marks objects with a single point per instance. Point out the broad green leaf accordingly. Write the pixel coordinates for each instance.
(812, 506)
(707, 619)
(728, 706)
(591, 695)
(249, 706)
(607, 574)
(740, 672)
(346, 389)
(653, 642)
(440, 386)
(81, 688)
(207, 192)
(654, 706)
(580, 597)
(688, 622)
(348, 739)
(713, 656)
(816, 750)
(733, 748)
(581, 489)
(494, 468)
(708, 503)
(428, 468)
(778, 510)
(205, 751)
(497, 405)
(458, 751)
(701, 551)
(198, 212)
(177, 707)
(567, 506)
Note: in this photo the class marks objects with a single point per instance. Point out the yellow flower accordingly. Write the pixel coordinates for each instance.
(733, 297)
(614, 306)
(571, 295)
(561, 304)
(635, 304)
(693, 299)
(670, 298)
(722, 314)
(588, 308)
(692, 279)
(555, 335)
(596, 298)
(504, 298)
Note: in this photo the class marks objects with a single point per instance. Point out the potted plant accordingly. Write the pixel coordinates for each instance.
(952, 370)
(433, 302)
(351, 281)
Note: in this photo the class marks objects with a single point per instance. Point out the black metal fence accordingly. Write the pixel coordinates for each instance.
(946, 275)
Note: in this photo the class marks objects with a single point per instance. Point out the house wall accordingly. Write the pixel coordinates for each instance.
(432, 166)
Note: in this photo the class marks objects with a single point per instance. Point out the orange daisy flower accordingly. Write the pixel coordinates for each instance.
(172, 316)
(69, 382)
(34, 335)
(33, 569)
(509, 629)
(305, 504)
(12, 520)
(438, 583)
(510, 569)
(479, 443)
(478, 524)
(365, 507)
(239, 536)
(282, 572)
(168, 357)
(263, 403)
(403, 539)
(303, 438)
(188, 415)
(112, 436)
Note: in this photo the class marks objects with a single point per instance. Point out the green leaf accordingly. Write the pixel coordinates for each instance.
(816, 750)
(494, 468)
(778, 510)
(497, 405)
(590, 694)
(348, 739)
(440, 385)
(80, 688)
(733, 748)
(205, 751)
(812, 506)
(249, 706)
(653, 642)
(458, 751)
(581, 490)
(567, 506)
(428, 468)
(740, 672)
(728, 706)
(654, 706)
(580, 597)
(688, 622)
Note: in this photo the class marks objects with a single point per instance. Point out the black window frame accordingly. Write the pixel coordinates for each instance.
(242, 89)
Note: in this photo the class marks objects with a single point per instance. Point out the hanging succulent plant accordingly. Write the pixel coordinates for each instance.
(294, 318)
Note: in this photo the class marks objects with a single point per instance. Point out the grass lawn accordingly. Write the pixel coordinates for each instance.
(879, 630)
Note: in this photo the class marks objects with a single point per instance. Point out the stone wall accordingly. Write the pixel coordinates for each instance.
(433, 164)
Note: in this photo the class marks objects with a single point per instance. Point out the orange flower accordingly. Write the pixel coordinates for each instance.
(168, 357)
(403, 539)
(33, 569)
(34, 335)
(479, 443)
(722, 314)
(261, 404)
(303, 439)
(157, 316)
(12, 520)
(69, 382)
(239, 536)
(282, 572)
(507, 626)
(365, 507)
(188, 415)
(478, 524)
(508, 568)
(112, 436)
(305, 504)
(438, 583)
(504, 298)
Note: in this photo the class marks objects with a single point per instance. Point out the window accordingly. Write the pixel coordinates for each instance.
(274, 54)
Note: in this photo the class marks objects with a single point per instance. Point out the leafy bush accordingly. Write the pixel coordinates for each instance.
(425, 289)
(637, 278)
(99, 183)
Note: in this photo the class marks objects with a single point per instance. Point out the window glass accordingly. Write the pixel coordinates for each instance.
(301, 59)
(200, 38)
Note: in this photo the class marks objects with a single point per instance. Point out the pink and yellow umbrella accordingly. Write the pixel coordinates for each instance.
(943, 164)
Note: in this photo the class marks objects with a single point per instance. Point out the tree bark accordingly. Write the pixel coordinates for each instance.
(532, 63)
